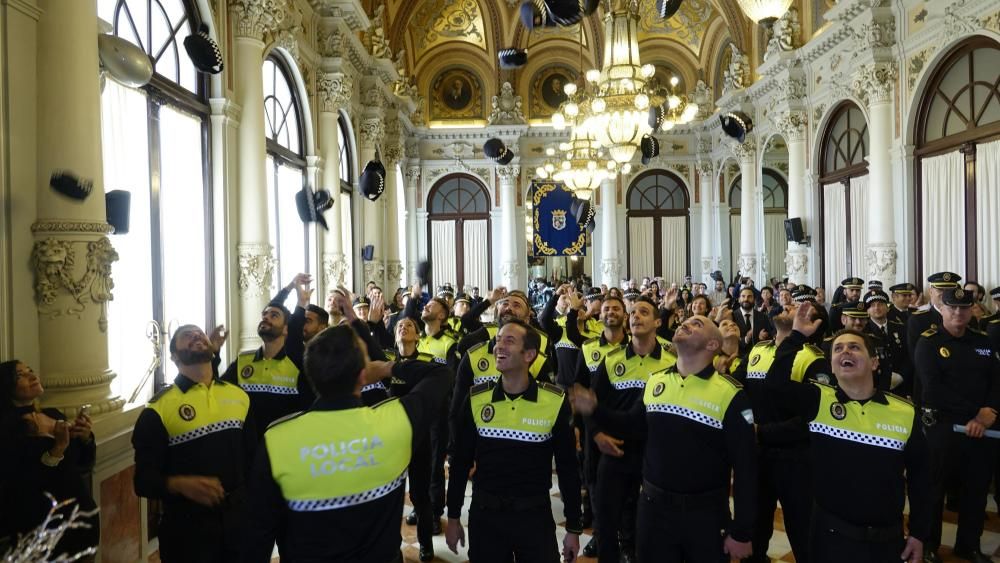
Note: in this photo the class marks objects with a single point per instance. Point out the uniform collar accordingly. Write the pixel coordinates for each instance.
(605, 342)
(337, 403)
(655, 354)
(706, 373)
(441, 332)
(184, 384)
(259, 354)
(530, 394)
(878, 397)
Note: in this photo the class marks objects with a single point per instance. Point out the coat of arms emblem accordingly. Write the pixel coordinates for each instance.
(558, 219)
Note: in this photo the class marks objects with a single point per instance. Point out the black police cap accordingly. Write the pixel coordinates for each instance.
(874, 284)
(944, 280)
(736, 124)
(903, 288)
(802, 293)
(203, 51)
(650, 148)
(874, 296)
(512, 57)
(853, 283)
(594, 293)
(665, 9)
(957, 297)
(372, 181)
(70, 185)
(854, 309)
(582, 211)
(312, 206)
(995, 293)
(495, 150)
(361, 301)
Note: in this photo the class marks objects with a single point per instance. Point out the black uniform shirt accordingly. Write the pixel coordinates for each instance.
(917, 324)
(957, 375)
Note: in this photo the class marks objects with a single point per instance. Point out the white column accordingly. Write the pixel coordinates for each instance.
(705, 189)
(334, 91)
(393, 264)
(510, 267)
(372, 133)
(607, 216)
(412, 258)
(874, 84)
(72, 255)
(256, 256)
(793, 126)
(749, 265)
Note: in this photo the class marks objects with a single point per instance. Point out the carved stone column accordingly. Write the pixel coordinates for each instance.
(334, 92)
(393, 265)
(252, 20)
(793, 126)
(607, 217)
(749, 264)
(705, 188)
(412, 257)
(372, 133)
(72, 255)
(873, 83)
(510, 269)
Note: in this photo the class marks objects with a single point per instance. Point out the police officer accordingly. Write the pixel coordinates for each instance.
(900, 310)
(852, 294)
(701, 438)
(959, 376)
(193, 443)
(511, 429)
(866, 453)
(995, 296)
(893, 337)
(783, 437)
(854, 316)
(922, 320)
(270, 374)
(619, 383)
(564, 331)
(328, 482)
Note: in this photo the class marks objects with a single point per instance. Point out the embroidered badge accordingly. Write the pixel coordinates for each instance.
(620, 370)
(487, 413)
(946, 276)
(186, 412)
(755, 359)
(658, 390)
(945, 353)
(247, 372)
(838, 411)
(959, 294)
(483, 364)
(596, 355)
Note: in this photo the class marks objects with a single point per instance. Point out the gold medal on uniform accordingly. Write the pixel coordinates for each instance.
(487, 413)
(187, 412)
(658, 390)
(838, 411)
(483, 364)
(620, 370)
(754, 359)
(944, 352)
(596, 355)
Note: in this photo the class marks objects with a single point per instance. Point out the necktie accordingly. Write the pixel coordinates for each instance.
(749, 326)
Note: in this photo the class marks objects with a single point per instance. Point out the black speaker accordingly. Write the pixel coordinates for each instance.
(368, 252)
(793, 230)
(116, 206)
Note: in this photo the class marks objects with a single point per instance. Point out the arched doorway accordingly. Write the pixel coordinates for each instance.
(842, 182)
(659, 226)
(958, 165)
(775, 194)
(458, 228)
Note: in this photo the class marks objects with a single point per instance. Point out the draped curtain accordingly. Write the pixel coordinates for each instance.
(775, 244)
(859, 226)
(477, 256)
(734, 251)
(987, 212)
(443, 252)
(640, 240)
(673, 231)
(942, 207)
(834, 236)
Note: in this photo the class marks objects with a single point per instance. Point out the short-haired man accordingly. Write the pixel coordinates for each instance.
(511, 430)
(316, 320)
(855, 316)
(754, 325)
(923, 320)
(856, 426)
(900, 310)
(193, 443)
(852, 294)
(329, 482)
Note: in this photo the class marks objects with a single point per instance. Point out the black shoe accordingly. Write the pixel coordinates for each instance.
(411, 518)
(426, 553)
(590, 550)
(974, 556)
(436, 528)
(931, 557)
(626, 556)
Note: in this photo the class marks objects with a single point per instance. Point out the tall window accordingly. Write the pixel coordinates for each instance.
(291, 237)
(459, 230)
(658, 226)
(346, 196)
(774, 190)
(155, 146)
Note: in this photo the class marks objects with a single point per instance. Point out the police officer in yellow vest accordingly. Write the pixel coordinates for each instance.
(866, 450)
(511, 430)
(329, 482)
(699, 434)
(618, 384)
(782, 437)
(564, 331)
(270, 374)
(193, 443)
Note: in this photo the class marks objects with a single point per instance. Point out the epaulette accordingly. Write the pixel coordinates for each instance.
(977, 331)
(477, 389)
(764, 343)
(390, 354)
(996, 320)
(929, 332)
(592, 340)
(248, 353)
(384, 401)
(920, 311)
(424, 357)
(827, 385)
(285, 418)
(477, 346)
(489, 325)
(614, 352)
(814, 349)
(898, 398)
(160, 394)
(829, 338)
(552, 388)
(731, 380)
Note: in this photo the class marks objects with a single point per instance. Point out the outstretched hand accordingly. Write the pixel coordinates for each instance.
(803, 321)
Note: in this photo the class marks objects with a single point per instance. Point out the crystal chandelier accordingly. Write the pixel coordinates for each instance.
(764, 11)
(676, 109)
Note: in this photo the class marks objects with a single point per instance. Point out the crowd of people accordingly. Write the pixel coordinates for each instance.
(658, 403)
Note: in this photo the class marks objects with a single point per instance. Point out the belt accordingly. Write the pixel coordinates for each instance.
(856, 532)
(684, 502)
(490, 501)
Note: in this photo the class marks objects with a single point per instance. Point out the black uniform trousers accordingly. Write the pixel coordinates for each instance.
(500, 528)
(972, 459)
(419, 474)
(618, 484)
(671, 529)
(831, 541)
(783, 475)
(438, 452)
(200, 535)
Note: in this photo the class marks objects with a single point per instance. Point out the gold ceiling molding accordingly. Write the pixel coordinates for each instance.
(439, 21)
(570, 33)
(687, 26)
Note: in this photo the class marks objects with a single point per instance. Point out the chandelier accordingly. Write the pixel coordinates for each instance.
(764, 11)
(675, 110)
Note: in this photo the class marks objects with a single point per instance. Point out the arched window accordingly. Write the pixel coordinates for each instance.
(843, 180)
(155, 143)
(774, 192)
(658, 226)
(285, 171)
(459, 232)
(346, 195)
(957, 151)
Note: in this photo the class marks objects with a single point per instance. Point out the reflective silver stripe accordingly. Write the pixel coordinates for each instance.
(485, 379)
(205, 431)
(274, 389)
(378, 385)
(686, 413)
(629, 384)
(519, 435)
(349, 500)
(569, 345)
(756, 374)
(850, 435)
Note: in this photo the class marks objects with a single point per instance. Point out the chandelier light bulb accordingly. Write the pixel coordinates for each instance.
(591, 165)
(558, 120)
(673, 102)
(647, 70)
(674, 81)
(641, 101)
(667, 125)
(572, 110)
(593, 75)
(550, 151)
(564, 146)
(541, 173)
(566, 165)
(764, 10)
(626, 168)
(569, 88)
(549, 167)
(598, 105)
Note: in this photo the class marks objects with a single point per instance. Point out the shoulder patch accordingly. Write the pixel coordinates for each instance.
(250, 353)
(551, 388)
(995, 321)
(384, 401)
(160, 393)
(814, 349)
(929, 332)
(731, 380)
(286, 418)
(898, 398)
(592, 341)
(921, 311)
(477, 346)
(425, 357)
(829, 339)
(976, 331)
(477, 389)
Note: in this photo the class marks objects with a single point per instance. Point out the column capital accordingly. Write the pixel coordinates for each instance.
(797, 263)
(610, 268)
(748, 265)
(508, 173)
(881, 258)
(705, 167)
(372, 132)
(412, 175)
(334, 268)
(256, 263)
(256, 18)
(793, 125)
(392, 151)
(335, 90)
(873, 83)
(747, 150)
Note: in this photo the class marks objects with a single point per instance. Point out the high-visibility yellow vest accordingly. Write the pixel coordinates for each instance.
(702, 400)
(633, 372)
(519, 419)
(484, 367)
(200, 411)
(274, 376)
(763, 353)
(884, 426)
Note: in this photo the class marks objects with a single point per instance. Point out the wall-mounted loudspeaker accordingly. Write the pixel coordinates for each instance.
(793, 230)
(116, 204)
(368, 252)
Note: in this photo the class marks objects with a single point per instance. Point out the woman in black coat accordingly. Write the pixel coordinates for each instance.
(41, 452)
